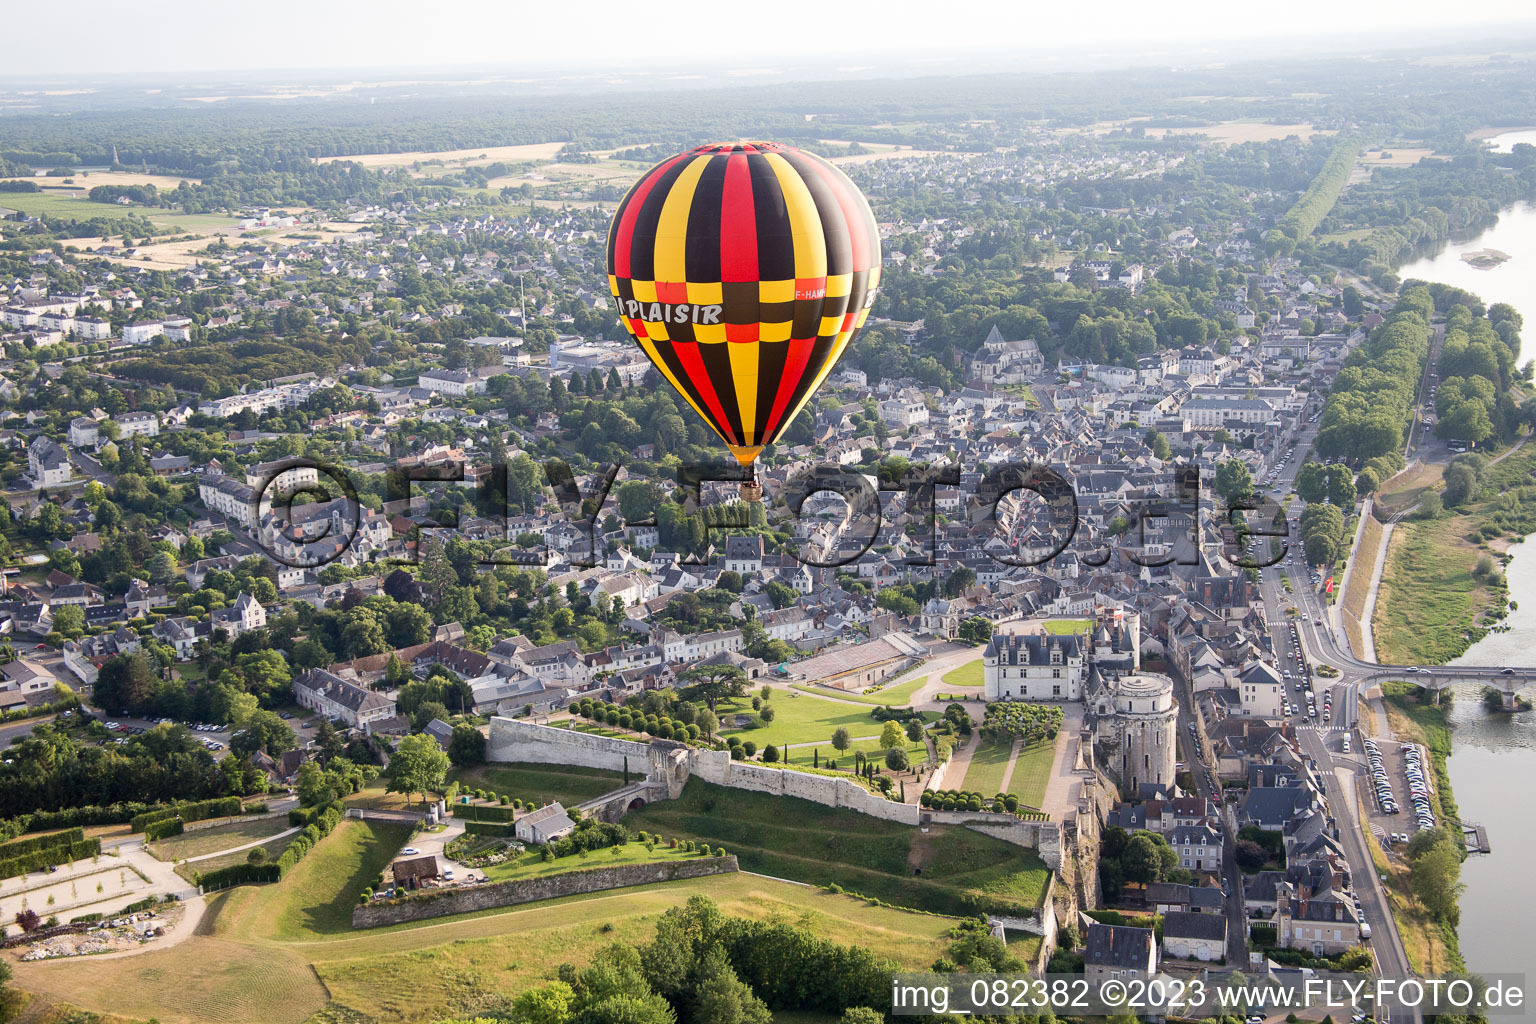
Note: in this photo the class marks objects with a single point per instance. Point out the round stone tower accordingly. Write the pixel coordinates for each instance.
(1147, 720)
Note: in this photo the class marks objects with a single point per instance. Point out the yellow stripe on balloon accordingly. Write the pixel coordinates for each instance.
(672, 228)
(804, 220)
(744, 375)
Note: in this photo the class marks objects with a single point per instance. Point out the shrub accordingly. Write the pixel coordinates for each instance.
(748, 748)
(770, 753)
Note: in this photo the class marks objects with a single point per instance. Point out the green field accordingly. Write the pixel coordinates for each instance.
(316, 897)
(1428, 601)
(1031, 772)
(969, 674)
(917, 752)
(801, 718)
(989, 763)
(1061, 627)
(76, 206)
(273, 847)
(541, 783)
(961, 871)
(220, 837)
(531, 865)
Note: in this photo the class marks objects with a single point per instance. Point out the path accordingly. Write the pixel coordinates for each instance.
(244, 846)
(1013, 760)
(1063, 788)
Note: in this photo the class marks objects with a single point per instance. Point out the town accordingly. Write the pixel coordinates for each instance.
(385, 638)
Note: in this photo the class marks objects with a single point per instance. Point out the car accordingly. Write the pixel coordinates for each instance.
(114, 726)
(410, 851)
(447, 874)
(1507, 672)
(40, 647)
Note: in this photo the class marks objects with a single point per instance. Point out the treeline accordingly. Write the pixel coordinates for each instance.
(50, 771)
(1477, 367)
(705, 968)
(1303, 218)
(1367, 410)
(214, 371)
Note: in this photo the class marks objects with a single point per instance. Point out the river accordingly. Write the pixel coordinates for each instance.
(1493, 763)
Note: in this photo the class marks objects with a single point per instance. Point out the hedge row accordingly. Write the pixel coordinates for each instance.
(239, 874)
(157, 830)
(21, 846)
(315, 831)
(484, 812)
(218, 807)
(38, 860)
(90, 814)
(301, 816)
(489, 828)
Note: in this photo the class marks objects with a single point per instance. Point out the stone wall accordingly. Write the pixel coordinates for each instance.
(1044, 837)
(515, 740)
(466, 899)
(716, 766)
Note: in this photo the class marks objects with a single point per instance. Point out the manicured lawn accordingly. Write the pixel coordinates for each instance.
(274, 848)
(969, 674)
(1031, 772)
(989, 763)
(316, 897)
(801, 718)
(916, 752)
(961, 871)
(1062, 627)
(220, 837)
(531, 865)
(541, 783)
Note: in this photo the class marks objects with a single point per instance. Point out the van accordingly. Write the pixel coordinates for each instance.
(1365, 930)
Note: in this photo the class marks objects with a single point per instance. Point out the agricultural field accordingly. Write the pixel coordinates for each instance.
(454, 157)
(962, 872)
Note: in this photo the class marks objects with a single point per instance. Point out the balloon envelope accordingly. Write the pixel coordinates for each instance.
(743, 270)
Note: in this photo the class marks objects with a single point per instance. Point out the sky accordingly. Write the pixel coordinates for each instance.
(169, 37)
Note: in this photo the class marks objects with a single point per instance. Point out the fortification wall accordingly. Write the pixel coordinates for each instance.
(514, 740)
(1044, 837)
(466, 899)
(716, 766)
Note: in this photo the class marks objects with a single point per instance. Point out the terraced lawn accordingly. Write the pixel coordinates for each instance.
(989, 763)
(948, 870)
(569, 784)
(969, 674)
(1031, 772)
(220, 837)
(801, 718)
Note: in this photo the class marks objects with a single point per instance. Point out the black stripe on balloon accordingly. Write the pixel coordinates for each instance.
(642, 248)
(668, 355)
(701, 253)
(834, 226)
(771, 357)
(807, 318)
(775, 238)
(717, 365)
(741, 303)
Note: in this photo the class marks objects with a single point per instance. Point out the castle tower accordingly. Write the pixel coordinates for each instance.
(1146, 719)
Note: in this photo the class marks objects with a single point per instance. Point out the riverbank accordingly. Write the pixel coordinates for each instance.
(1433, 946)
(1433, 604)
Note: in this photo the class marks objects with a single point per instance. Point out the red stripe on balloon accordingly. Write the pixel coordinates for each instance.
(794, 370)
(626, 228)
(738, 223)
(688, 353)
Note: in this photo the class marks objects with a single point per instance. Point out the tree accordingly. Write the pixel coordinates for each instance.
(1435, 874)
(261, 730)
(466, 746)
(891, 736)
(841, 741)
(124, 684)
(896, 759)
(1460, 484)
(1141, 860)
(418, 765)
(1157, 443)
(1233, 481)
(712, 683)
(1250, 855)
(707, 722)
(313, 786)
(915, 730)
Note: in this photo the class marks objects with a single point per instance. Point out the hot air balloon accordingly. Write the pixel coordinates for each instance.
(743, 270)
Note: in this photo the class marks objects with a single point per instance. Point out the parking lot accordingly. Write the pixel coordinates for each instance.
(1395, 788)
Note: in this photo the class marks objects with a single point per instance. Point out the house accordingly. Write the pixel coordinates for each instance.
(1119, 951)
(1034, 667)
(440, 731)
(337, 698)
(83, 432)
(744, 555)
(48, 463)
(544, 825)
(1188, 936)
(410, 872)
(138, 424)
